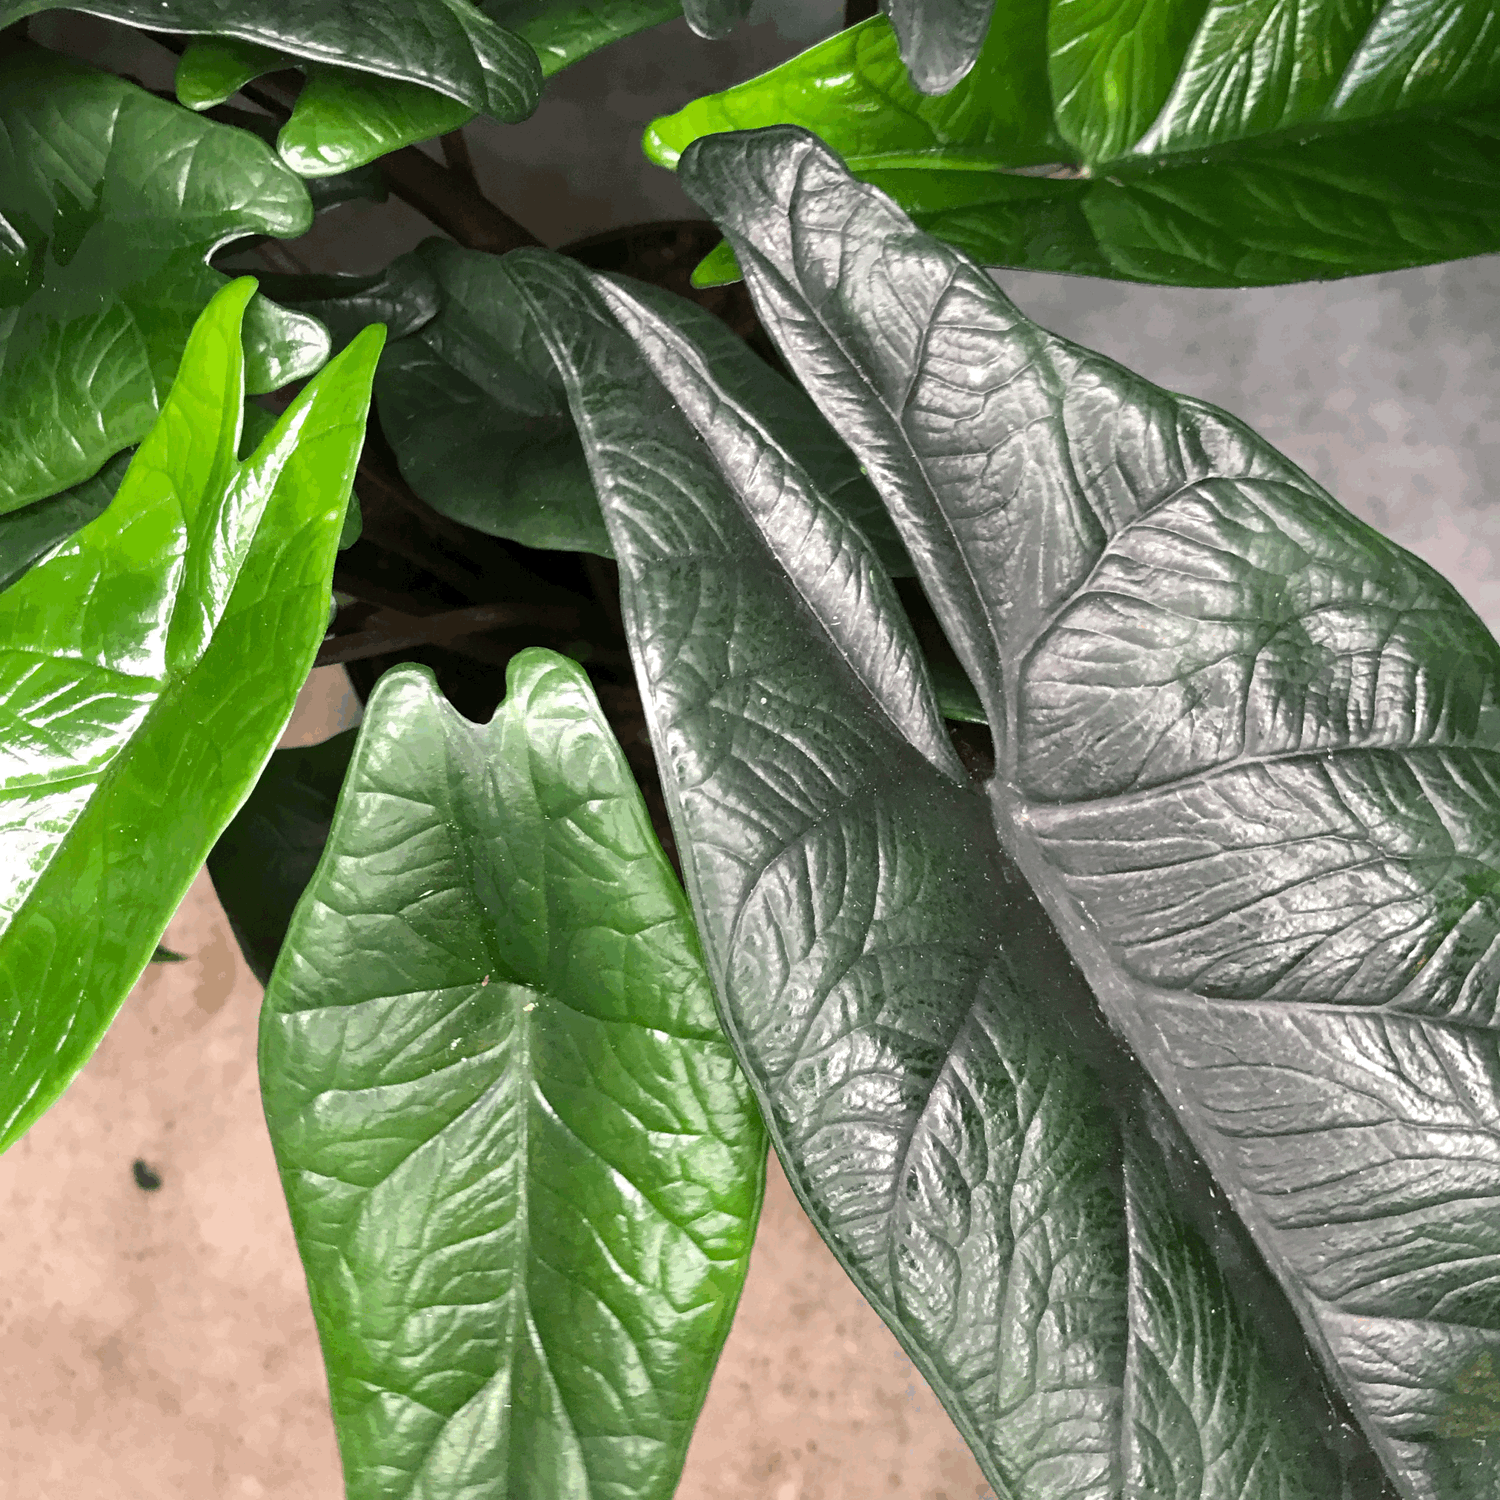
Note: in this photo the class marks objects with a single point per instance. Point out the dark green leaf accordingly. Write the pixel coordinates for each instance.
(147, 668)
(366, 182)
(1244, 757)
(373, 78)
(948, 1104)
(404, 296)
(264, 859)
(563, 31)
(476, 413)
(29, 534)
(166, 956)
(1192, 144)
(112, 202)
(523, 1168)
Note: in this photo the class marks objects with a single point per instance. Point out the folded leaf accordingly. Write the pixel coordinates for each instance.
(111, 201)
(147, 668)
(476, 413)
(404, 296)
(1193, 144)
(1245, 758)
(371, 80)
(986, 1163)
(264, 859)
(522, 1166)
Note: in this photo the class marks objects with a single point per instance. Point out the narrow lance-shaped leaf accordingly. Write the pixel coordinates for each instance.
(1246, 760)
(147, 668)
(522, 1165)
(960, 1126)
(1191, 144)
(374, 77)
(111, 202)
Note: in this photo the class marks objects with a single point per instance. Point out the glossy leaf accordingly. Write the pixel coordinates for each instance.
(1192, 144)
(371, 80)
(36, 530)
(1245, 758)
(522, 1166)
(564, 31)
(476, 413)
(404, 296)
(366, 182)
(264, 859)
(149, 666)
(112, 201)
(949, 1106)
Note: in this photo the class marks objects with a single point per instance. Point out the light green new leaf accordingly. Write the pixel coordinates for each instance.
(523, 1168)
(373, 77)
(147, 668)
(1190, 144)
(29, 534)
(111, 202)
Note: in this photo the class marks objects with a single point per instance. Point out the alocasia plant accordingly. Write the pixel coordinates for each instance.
(1134, 1051)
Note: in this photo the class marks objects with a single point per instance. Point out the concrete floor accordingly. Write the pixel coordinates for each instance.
(159, 1344)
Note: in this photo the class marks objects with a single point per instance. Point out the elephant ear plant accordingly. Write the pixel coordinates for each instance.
(1087, 829)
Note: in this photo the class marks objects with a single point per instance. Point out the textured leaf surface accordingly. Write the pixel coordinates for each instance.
(522, 1165)
(475, 410)
(265, 858)
(146, 670)
(111, 201)
(940, 39)
(946, 1100)
(403, 296)
(412, 62)
(1196, 145)
(1245, 758)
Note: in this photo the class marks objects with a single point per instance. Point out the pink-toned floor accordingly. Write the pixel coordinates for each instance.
(159, 1345)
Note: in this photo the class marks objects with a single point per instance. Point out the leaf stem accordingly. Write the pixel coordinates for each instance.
(456, 206)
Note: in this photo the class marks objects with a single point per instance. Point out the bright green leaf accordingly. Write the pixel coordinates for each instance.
(29, 534)
(1191, 144)
(112, 202)
(522, 1166)
(993, 1171)
(1242, 758)
(149, 666)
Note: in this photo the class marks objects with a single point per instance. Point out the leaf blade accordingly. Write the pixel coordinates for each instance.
(544, 1021)
(114, 705)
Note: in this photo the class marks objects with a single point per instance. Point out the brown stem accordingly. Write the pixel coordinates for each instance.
(453, 204)
(456, 153)
(388, 631)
